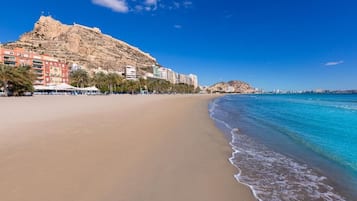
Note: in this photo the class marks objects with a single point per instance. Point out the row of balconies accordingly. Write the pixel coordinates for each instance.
(38, 62)
(9, 58)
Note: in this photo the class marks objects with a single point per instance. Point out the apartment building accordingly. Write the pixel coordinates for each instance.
(173, 77)
(193, 80)
(183, 79)
(130, 73)
(48, 70)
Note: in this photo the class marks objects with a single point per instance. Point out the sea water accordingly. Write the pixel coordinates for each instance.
(292, 147)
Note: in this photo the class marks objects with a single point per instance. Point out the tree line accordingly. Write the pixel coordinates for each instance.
(16, 81)
(114, 83)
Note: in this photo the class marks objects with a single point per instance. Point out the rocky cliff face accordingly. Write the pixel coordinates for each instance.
(232, 87)
(82, 45)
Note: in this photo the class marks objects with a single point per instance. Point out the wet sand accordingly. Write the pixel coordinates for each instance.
(114, 148)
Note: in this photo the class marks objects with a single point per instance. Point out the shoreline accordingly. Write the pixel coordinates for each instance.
(234, 151)
(115, 147)
(299, 170)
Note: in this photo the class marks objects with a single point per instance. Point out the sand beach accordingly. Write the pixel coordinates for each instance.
(110, 148)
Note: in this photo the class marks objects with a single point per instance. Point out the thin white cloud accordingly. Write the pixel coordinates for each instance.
(187, 4)
(139, 8)
(120, 6)
(150, 5)
(178, 26)
(125, 6)
(334, 63)
(180, 4)
(151, 2)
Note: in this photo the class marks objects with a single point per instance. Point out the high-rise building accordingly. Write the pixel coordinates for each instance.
(171, 76)
(182, 79)
(194, 80)
(48, 70)
(156, 72)
(130, 73)
(163, 73)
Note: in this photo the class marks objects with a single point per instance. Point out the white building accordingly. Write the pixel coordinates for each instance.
(156, 72)
(171, 76)
(162, 73)
(194, 80)
(182, 79)
(130, 73)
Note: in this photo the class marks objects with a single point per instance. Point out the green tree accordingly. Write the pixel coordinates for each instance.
(24, 80)
(100, 81)
(183, 88)
(132, 86)
(79, 78)
(107, 83)
(6, 75)
(165, 86)
(16, 80)
(142, 84)
(152, 85)
(114, 81)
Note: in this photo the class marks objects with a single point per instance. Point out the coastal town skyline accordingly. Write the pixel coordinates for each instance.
(271, 45)
(54, 71)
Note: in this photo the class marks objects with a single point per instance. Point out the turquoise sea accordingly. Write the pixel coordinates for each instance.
(292, 147)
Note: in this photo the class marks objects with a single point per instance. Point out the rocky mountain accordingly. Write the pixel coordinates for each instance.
(82, 45)
(232, 87)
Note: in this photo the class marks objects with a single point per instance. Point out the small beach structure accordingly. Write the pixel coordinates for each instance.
(65, 89)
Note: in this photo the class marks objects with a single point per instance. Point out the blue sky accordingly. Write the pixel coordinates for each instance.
(272, 44)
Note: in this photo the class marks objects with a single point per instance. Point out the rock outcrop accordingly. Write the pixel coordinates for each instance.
(232, 87)
(82, 45)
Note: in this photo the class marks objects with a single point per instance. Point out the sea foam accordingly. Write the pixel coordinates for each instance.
(272, 176)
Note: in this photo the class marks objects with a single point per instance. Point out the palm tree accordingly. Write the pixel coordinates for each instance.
(113, 80)
(16, 79)
(142, 84)
(6, 75)
(23, 82)
(132, 86)
(79, 78)
(100, 81)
